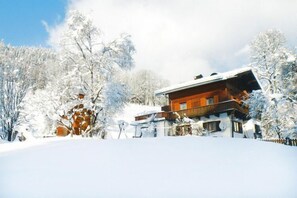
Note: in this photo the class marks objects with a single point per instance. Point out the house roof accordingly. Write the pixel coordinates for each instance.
(208, 80)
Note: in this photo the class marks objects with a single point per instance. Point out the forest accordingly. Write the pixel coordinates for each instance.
(40, 86)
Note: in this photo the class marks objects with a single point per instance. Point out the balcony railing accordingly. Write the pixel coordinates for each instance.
(221, 107)
(211, 109)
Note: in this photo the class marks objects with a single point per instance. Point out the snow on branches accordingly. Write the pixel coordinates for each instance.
(40, 87)
(276, 68)
(91, 67)
(21, 68)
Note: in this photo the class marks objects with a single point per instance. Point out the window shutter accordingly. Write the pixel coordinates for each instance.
(175, 106)
(216, 99)
(189, 104)
(203, 101)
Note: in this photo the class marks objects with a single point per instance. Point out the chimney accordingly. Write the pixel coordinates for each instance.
(198, 77)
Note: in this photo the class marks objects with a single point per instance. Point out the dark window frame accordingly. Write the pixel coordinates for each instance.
(237, 127)
(210, 101)
(182, 130)
(257, 128)
(212, 126)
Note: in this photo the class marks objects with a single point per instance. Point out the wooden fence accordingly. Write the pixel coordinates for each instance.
(290, 142)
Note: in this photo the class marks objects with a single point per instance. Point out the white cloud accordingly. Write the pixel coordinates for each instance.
(45, 25)
(180, 39)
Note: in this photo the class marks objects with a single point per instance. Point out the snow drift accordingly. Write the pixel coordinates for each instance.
(156, 167)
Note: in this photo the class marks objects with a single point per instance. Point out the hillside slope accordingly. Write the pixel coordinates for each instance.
(156, 167)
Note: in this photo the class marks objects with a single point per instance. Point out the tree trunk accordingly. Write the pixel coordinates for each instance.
(9, 132)
(9, 136)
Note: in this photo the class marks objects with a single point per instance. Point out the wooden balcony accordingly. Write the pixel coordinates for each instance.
(226, 106)
(213, 109)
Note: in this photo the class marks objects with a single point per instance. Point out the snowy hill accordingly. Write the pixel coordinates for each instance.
(156, 167)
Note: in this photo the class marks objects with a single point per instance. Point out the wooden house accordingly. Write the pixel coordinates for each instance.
(210, 105)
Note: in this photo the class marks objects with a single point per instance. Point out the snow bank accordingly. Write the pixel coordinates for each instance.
(156, 167)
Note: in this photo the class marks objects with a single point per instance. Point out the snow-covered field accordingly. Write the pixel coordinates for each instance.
(154, 167)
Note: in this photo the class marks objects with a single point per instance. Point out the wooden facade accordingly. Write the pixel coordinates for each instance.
(208, 99)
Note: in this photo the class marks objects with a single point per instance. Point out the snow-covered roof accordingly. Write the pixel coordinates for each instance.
(203, 81)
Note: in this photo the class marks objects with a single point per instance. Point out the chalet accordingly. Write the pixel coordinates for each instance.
(210, 105)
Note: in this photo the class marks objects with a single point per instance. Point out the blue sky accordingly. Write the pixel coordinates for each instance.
(171, 37)
(21, 20)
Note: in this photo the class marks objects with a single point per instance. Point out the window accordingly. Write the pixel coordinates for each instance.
(257, 128)
(183, 130)
(212, 126)
(257, 133)
(209, 101)
(183, 106)
(237, 126)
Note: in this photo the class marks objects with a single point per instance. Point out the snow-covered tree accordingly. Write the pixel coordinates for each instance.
(257, 103)
(275, 67)
(287, 106)
(289, 76)
(143, 84)
(38, 113)
(266, 56)
(13, 87)
(91, 66)
(20, 69)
